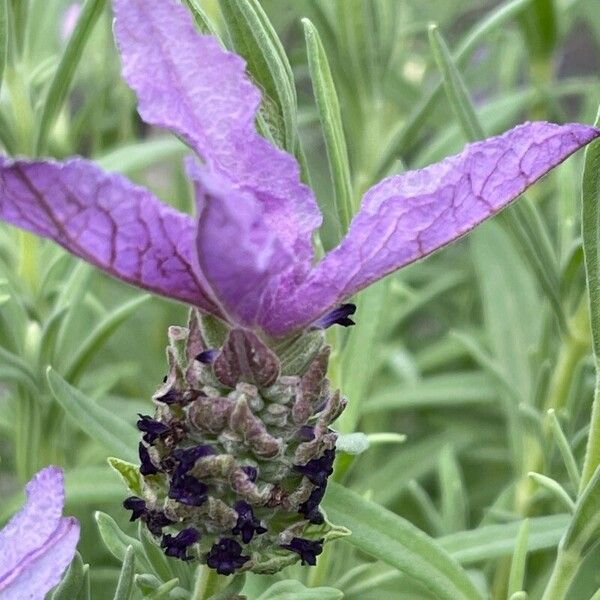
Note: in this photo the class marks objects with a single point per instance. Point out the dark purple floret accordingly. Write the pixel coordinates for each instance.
(171, 397)
(147, 466)
(136, 505)
(247, 524)
(252, 472)
(207, 357)
(187, 457)
(188, 490)
(306, 433)
(338, 316)
(310, 508)
(155, 521)
(226, 556)
(318, 469)
(307, 549)
(177, 546)
(152, 429)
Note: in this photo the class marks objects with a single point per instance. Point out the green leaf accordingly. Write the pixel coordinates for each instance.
(128, 473)
(255, 39)
(139, 155)
(101, 333)
(118, 542)
(565, 449)
(554, 488)
(3, 37)
(61, 83)
(519, 560)
(437, 391)
(356, 372)
(290, 589)
(331, 125)
(454, 501)
(72, 581)
(584, 529)
(591, 247)
(395, 541)
(156, 557)
(495, 541)
(415, 121)
(352, 443)
(125, 582)
(19, 368)
(108, 429)
(456, 91)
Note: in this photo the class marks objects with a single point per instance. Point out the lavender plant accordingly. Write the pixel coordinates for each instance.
(232, 474)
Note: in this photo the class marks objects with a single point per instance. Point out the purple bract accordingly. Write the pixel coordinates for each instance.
(248, 258)
(38, 543)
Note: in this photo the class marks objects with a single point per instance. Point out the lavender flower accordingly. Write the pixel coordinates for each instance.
(252, 390)
(37, 544)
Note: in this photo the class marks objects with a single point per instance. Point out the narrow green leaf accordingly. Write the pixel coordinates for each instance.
(554, 488)
(71, 582)
(519, 560)
(3, 37)
(495, 541)
(584, 529)
(356, 372)
(164, 590)
(540, 24)
(125, 582)
(108, 429)
(454, 501)
(591, 248)
(397, 542)
(203, 23)
(156, 557)
(118, 542)
(456, 91)
(441, 391)
(565, 449)
(101, 333)
(255, 39)
(290, 589)
(139, 155)
(20, 368)
(61, 83)
(331, 124)
(418, 117)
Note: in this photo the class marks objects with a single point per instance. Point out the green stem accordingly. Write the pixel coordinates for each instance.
(592, 453)
(564, 571)
(573, 348)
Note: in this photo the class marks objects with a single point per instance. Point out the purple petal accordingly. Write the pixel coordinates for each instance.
(408, 216)
(37, 544)
(105, 219)
(241, 257)
(188, 83)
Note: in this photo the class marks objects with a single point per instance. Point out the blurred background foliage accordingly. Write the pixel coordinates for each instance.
(479, 355)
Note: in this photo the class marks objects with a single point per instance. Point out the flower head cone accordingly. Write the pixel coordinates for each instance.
(239, 451)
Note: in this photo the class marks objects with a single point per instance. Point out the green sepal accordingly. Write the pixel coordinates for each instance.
(128, 473)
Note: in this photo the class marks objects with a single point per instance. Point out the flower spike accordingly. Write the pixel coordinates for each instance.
(37, 544)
